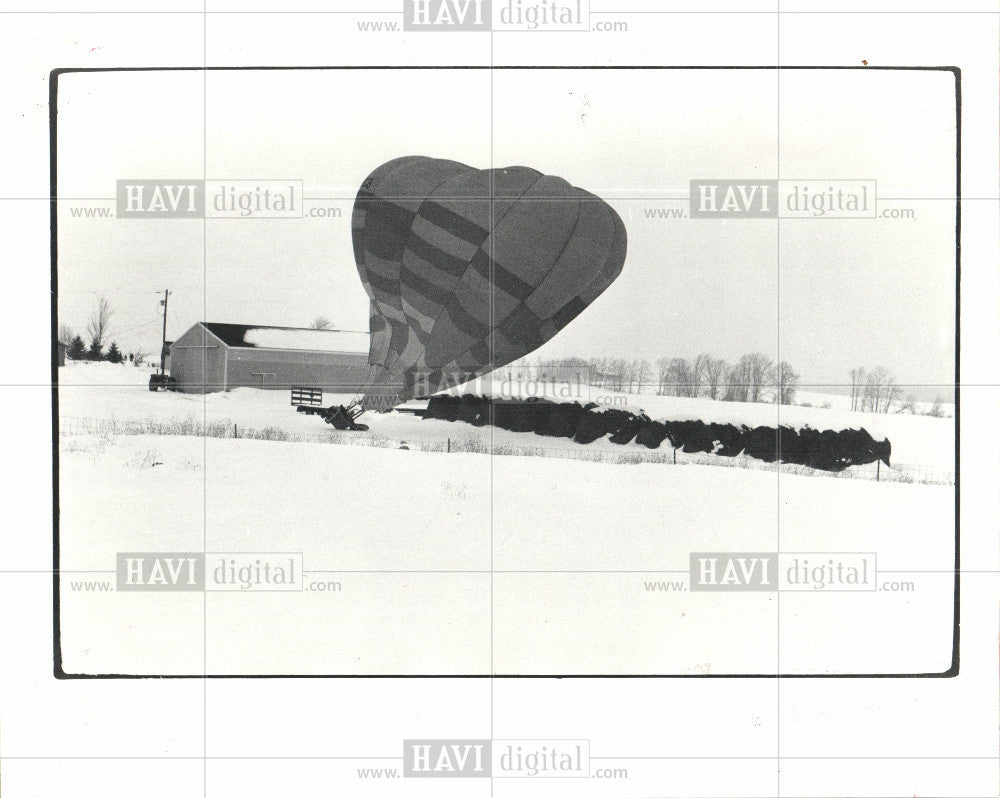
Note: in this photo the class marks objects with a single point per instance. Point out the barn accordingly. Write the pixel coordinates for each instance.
(212, 356)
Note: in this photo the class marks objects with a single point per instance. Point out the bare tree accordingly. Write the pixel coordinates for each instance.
(320, 323)
(738, 381)
(662, 363)
(891, 394)
(65, 335)
(749, 379)
(761, 371)
(673, 376)
(610, 373)
(858, 378)
(100, 323)
(643, 371)
(679, 377)
(908, 405)
(715, 374)
(599, 372)
(876, 391)
(698, 373)
(635, 370)
(594, 369)
(138, 355)
(620, 368)
(788, 382)
(869, 395)
(628, 373)
(873, 396)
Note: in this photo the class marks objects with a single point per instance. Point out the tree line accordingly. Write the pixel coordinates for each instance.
(98, 331)
(753, 378)
(876, 391)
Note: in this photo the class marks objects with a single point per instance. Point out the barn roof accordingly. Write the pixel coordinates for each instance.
(259, 336)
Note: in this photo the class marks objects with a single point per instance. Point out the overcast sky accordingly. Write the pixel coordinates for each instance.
(847, 293)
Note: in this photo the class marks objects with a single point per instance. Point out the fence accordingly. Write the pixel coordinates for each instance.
(628, 455)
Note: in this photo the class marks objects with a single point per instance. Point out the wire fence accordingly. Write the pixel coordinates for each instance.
(628, 455)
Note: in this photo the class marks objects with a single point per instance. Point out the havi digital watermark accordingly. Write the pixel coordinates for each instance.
(785, 571)
(786, 199)
(488, 15)
(208, 199)
(484, 758)
(213, 571)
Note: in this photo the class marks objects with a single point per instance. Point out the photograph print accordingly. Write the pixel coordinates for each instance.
(512, 372)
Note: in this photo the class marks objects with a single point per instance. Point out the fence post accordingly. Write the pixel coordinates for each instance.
(449, 445)
(675, 455)
(236, 434)
(878, 469)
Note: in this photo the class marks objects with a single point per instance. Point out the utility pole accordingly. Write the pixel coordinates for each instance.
(163, 345)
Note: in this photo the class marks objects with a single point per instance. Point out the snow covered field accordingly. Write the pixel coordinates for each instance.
(102, 392)
(575, 567)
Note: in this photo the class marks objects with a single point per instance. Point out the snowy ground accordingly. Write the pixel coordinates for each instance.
(447, 562)
(104, 392)
(573, 545)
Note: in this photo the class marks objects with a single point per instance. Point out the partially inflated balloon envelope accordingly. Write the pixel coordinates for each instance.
(470, 269)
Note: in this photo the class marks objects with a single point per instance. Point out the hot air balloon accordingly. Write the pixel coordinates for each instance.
(470, 269)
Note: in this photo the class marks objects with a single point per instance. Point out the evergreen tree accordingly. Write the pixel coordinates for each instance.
(114, 354)
(94, 353)
(77, 348)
